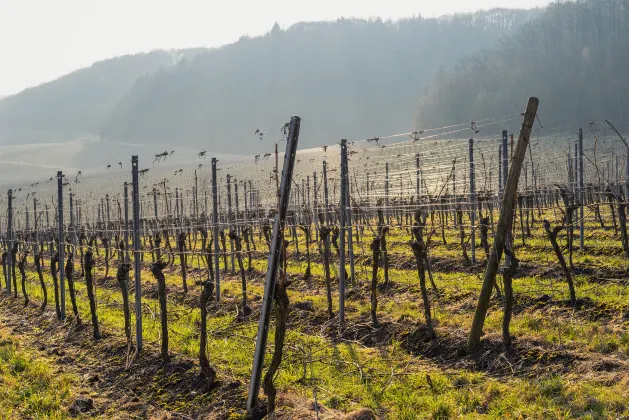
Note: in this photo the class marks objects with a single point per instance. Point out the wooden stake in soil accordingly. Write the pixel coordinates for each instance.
(504, 224)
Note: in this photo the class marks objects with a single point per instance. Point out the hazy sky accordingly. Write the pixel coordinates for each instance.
(41, 40)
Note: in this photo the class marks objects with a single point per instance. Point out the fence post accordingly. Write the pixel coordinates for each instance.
(35, 231)
(308, 190)
(230, 217)
(325, 191)
(627, 178)
(217, 254)
(386, 192)
(505, 158)
(72, 225)
(315, 205)
(581, 187)
(60, 247)
(196, 201)
(236, 222)
(417, 184)
(9, 237)
(350, 239)
(126, 221)
(499, 172)
(342, 215)
(244, 185)
(577, 164)
(505, 175)
(136, 251)
(273, 263)
(504, 224)
(472, 203)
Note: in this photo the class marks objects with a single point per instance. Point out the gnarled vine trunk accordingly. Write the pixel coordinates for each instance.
(40, 275)
(207, 371)
(21, 266)
(88, 265)
(55, 282)
(157, 271)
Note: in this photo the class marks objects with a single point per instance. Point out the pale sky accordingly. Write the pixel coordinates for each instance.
(41, 40)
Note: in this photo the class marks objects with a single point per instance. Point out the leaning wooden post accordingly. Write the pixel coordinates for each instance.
(504, 223)
(505, 174)
(273, 263)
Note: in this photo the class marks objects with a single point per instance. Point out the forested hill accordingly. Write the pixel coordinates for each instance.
(349, 78)
(574, 57)
(77, 103)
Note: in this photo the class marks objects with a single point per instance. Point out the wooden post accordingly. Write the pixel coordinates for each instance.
(60, 247)
(10, 236)
(273, 264)
(217, 252)
(417, 183)
(472, 202)
(504, 224)
(342, 207)
(135, 205)
(581, 187)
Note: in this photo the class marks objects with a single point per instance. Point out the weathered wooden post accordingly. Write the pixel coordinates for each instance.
(217, 253)
(230, 221)
(273, 263)
(61, 247)
(504, 224)
(135, 196)
(472, 203)
(10, 237)
(581, 187)
(315, 206)
(126, 220)
(500, 186)
(342, 207)
(325, 192)
(386, 192)
(350, 239)
(505, 174)
(417, 182)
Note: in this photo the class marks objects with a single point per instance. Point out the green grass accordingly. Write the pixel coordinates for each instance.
(394, 382)
(29, 387)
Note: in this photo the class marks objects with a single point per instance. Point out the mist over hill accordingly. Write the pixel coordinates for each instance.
(76, 104)
(574, 57)
(348, 78)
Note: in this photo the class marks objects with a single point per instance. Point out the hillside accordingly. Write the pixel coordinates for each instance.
(76, 104)
(349, 78)
(573, 56)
